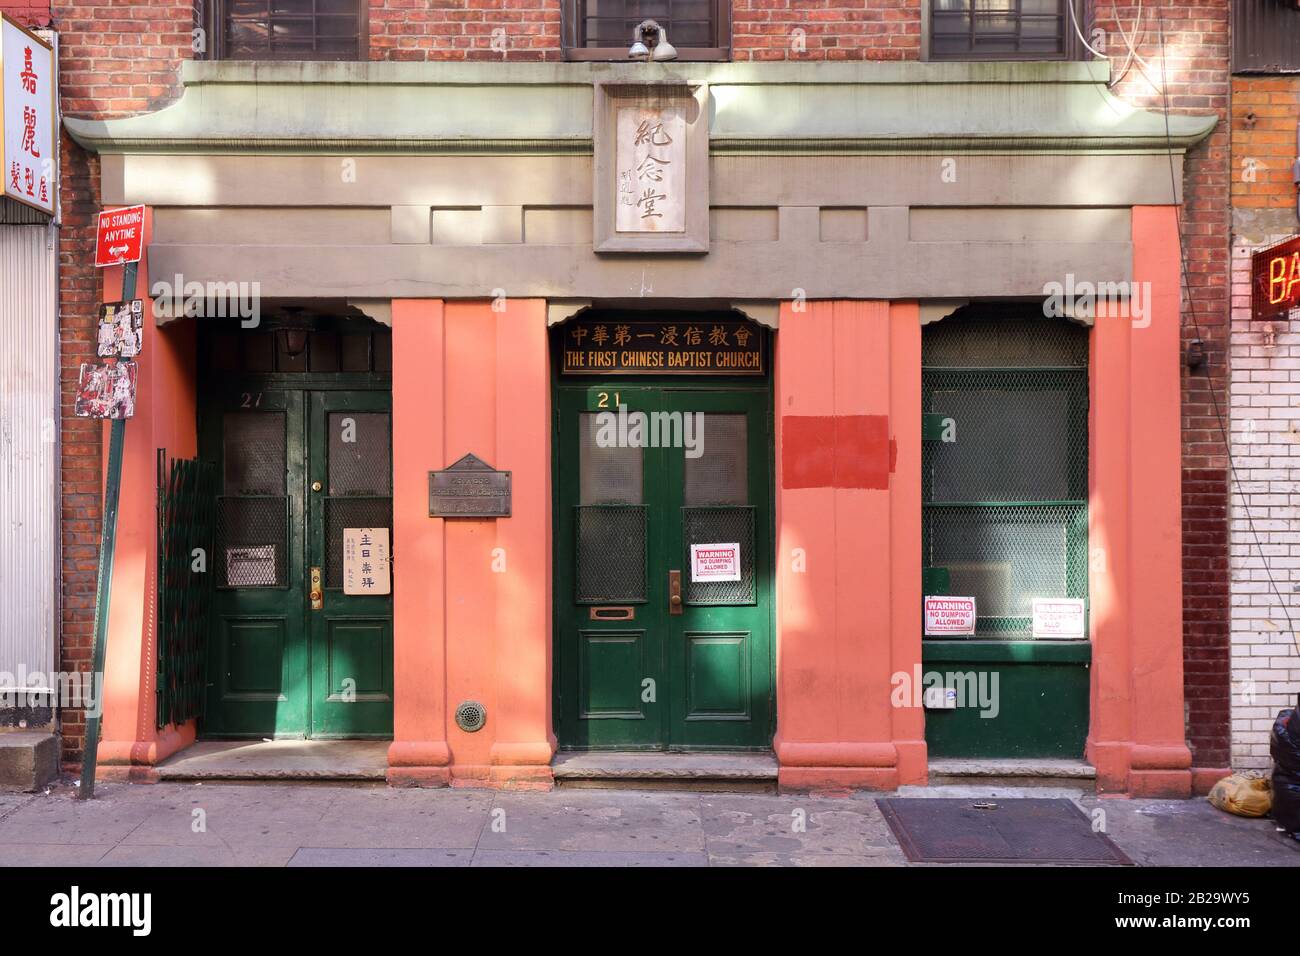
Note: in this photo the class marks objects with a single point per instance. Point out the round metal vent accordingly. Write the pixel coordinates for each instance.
(471, 716)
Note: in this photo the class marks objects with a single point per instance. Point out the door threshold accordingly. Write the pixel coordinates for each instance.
(717, 771)
(1013, 772)
(279, 761)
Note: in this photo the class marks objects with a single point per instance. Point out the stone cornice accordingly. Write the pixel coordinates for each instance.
(501, 108)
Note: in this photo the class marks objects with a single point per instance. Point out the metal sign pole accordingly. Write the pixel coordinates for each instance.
(104, 578)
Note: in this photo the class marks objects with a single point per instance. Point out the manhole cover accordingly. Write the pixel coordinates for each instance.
(1020, 830)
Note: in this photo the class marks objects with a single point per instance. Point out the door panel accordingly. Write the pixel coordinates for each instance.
(257, 684)
(351, 635)
(628, 509)
(276, 666)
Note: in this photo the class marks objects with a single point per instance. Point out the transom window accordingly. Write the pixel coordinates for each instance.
(602, 29)
(1007, 29)
(287, 29)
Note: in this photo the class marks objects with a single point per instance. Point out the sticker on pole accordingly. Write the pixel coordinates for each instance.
(715, 562)
(106, 391)
(1059, 617)
(120, 236)
(947, 616)
(121, 329)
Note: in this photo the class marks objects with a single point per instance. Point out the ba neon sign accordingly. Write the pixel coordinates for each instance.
(1275, 281)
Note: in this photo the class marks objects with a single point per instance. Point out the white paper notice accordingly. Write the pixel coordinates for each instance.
(366, 561)
(715, 562)
(949, 615)
(1059, 617)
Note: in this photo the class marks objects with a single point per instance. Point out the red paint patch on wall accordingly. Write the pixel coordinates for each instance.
(837, 451)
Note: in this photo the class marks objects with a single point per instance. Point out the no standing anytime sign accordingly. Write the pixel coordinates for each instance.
(120, 237)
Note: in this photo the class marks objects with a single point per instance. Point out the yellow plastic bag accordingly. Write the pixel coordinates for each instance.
(1244, 796)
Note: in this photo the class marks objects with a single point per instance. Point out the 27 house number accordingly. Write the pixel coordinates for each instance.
(248, 400)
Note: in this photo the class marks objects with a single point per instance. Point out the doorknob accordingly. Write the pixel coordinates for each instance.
(674, 592)
(315, 486)
(317, 595)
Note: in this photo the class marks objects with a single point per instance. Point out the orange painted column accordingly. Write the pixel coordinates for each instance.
(1136, 739)
(419, 754)
(848, 402)
(164, 418)
(472, 596)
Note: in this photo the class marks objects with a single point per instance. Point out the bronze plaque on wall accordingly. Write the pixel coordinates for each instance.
(670, 347)
(471, 488)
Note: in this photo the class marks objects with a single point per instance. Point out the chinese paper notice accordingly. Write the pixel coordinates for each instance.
(366, 561)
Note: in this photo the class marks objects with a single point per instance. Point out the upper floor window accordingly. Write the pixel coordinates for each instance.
(602, 29)
(1265, 36)
(1007, 29)
(287, 29)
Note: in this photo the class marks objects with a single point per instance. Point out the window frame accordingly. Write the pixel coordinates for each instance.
(1073, 48)
(571, 34)
(211, 16)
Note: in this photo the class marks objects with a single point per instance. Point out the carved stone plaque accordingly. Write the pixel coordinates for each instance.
(651, 168)
(651, 175)
(471, 488)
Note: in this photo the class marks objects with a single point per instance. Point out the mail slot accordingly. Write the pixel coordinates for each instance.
(613, 613)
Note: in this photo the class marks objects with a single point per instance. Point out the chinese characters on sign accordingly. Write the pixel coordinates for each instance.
(27, 91)
(1275, 285)
(650, 175)
(366, 561)
(719, 346)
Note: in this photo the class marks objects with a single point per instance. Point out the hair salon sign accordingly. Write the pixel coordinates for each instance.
(27, 103)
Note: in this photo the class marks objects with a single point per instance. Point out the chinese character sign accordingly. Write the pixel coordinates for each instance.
(366, 561)
(650, 174)
(27, 90)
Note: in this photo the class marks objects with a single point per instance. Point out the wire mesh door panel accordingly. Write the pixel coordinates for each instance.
(719, 653)
(257, 682)
(350, 528)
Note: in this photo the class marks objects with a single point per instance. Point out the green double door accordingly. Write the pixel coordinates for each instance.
(290, 654)
(658, 645)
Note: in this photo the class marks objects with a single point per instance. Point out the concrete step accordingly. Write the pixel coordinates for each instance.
(656, 770)
(29, 759)
(279, 761)
(1013, 772)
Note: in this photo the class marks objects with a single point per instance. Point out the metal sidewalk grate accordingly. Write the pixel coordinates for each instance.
(1017, 830)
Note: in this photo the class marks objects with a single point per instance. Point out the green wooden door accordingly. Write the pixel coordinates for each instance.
(297, 467)
(647, 655)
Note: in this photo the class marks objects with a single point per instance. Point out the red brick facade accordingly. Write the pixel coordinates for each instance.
(1195, 71)
(31, 13)
(120, 58)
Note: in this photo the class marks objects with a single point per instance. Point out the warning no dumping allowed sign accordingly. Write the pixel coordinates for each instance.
(949, 615)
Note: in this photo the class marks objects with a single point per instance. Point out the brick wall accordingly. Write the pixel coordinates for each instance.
(1196, 80)
(116, 59)
(31, 13)
(1265, 423)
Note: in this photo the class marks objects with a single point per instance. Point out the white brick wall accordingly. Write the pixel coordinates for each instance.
(1265, 432)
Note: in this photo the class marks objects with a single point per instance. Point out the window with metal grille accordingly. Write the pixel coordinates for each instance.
(1004, 466)
(602, 29)
(285, 29)
(1008, 29)
(1265, 36)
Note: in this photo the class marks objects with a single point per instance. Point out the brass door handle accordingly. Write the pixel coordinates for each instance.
(674, 592)
(317, 593)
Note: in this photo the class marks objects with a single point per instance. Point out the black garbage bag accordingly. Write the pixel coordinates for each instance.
(1284, 745)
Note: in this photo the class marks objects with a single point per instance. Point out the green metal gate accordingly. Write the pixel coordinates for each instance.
(186, 511)
(1005, 520)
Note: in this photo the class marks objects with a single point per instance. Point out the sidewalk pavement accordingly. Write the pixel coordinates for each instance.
(171, 824)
